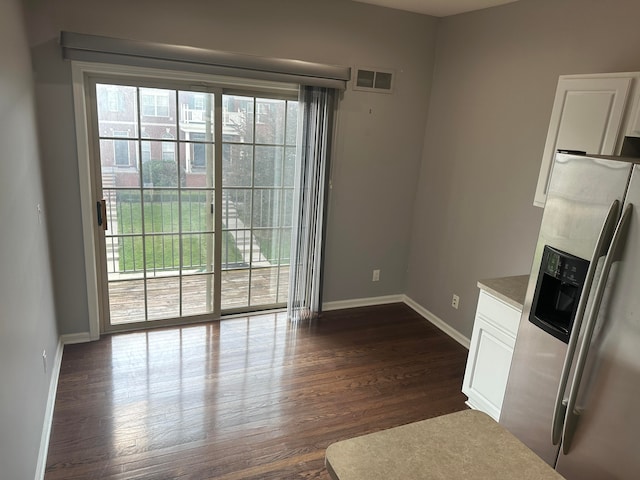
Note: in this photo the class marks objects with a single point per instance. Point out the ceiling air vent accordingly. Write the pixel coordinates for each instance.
(374, 80)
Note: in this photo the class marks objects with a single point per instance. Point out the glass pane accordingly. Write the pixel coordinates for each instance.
(289, 169)
(266, 207)
(126, 302)
(113, 261)
(197, 165)
(264, 286)
(130, 255)
(163, 298)
(145, 151)
(123, 211)
(237, 161)
(241, 239)
(237, 119)
(196, 115)
(158, 113)
(162, 254)
(117, 111)
(292, 123)
(236, 208)
(161, 168)
(270, 115)
(197, 253)
(119, 163)
(161, 211)
(287, 207)
(285, 246)
(197, 211)
(231, 256)
(197, 294)
(268, 240)
(120, 256)
(268, 167)
(235, 289)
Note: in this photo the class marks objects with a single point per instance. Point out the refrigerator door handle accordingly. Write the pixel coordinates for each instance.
(600, 250)
(572, 414)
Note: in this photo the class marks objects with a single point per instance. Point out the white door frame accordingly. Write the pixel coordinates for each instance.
(79, 72)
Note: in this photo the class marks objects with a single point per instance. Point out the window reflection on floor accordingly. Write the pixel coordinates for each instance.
(169, 384)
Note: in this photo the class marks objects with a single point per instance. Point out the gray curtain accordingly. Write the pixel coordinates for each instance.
(317, 108)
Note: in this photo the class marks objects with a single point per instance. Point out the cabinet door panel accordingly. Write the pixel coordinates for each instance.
(584, 122)
(587, 115)
(490, 352)
(490, 369)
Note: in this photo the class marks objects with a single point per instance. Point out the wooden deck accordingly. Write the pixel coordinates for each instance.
(254, 398)
(166, 294)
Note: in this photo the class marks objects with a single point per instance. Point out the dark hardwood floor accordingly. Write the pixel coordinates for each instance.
(250, 398)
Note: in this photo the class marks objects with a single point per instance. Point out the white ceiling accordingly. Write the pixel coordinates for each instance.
(437, 8)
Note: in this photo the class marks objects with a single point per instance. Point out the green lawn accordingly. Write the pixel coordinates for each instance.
(162, 222)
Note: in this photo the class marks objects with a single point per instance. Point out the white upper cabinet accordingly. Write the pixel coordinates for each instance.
(633, 129)
(591, 113)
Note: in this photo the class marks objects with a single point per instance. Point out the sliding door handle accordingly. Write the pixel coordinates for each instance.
(600, 250)
(572, 414)
(101, 208)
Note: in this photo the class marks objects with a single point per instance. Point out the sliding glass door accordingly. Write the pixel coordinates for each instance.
(258, 169)
(195, 193)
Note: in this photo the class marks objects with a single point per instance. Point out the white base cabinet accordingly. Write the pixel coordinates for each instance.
(490, 352)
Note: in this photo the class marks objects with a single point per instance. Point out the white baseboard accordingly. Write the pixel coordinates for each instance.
(72, 338)
(438, 322)
(361, 302)
(423, 312)
(339, 305)
(48, 413)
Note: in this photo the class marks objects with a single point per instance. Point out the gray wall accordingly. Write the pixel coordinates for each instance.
(495, 77)
(27, 321)
(435, 208)
(378, 148)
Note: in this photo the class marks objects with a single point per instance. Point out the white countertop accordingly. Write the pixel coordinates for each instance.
(511, 290)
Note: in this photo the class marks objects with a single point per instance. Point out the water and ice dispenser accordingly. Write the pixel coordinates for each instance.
(558, 288)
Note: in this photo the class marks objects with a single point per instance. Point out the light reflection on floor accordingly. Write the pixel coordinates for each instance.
(166, 381)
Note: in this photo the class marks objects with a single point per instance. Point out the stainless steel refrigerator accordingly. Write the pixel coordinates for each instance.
(574, 386)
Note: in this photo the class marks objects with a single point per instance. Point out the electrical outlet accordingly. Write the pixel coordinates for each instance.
(376, 276)
(455, 301)
(44, 360)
